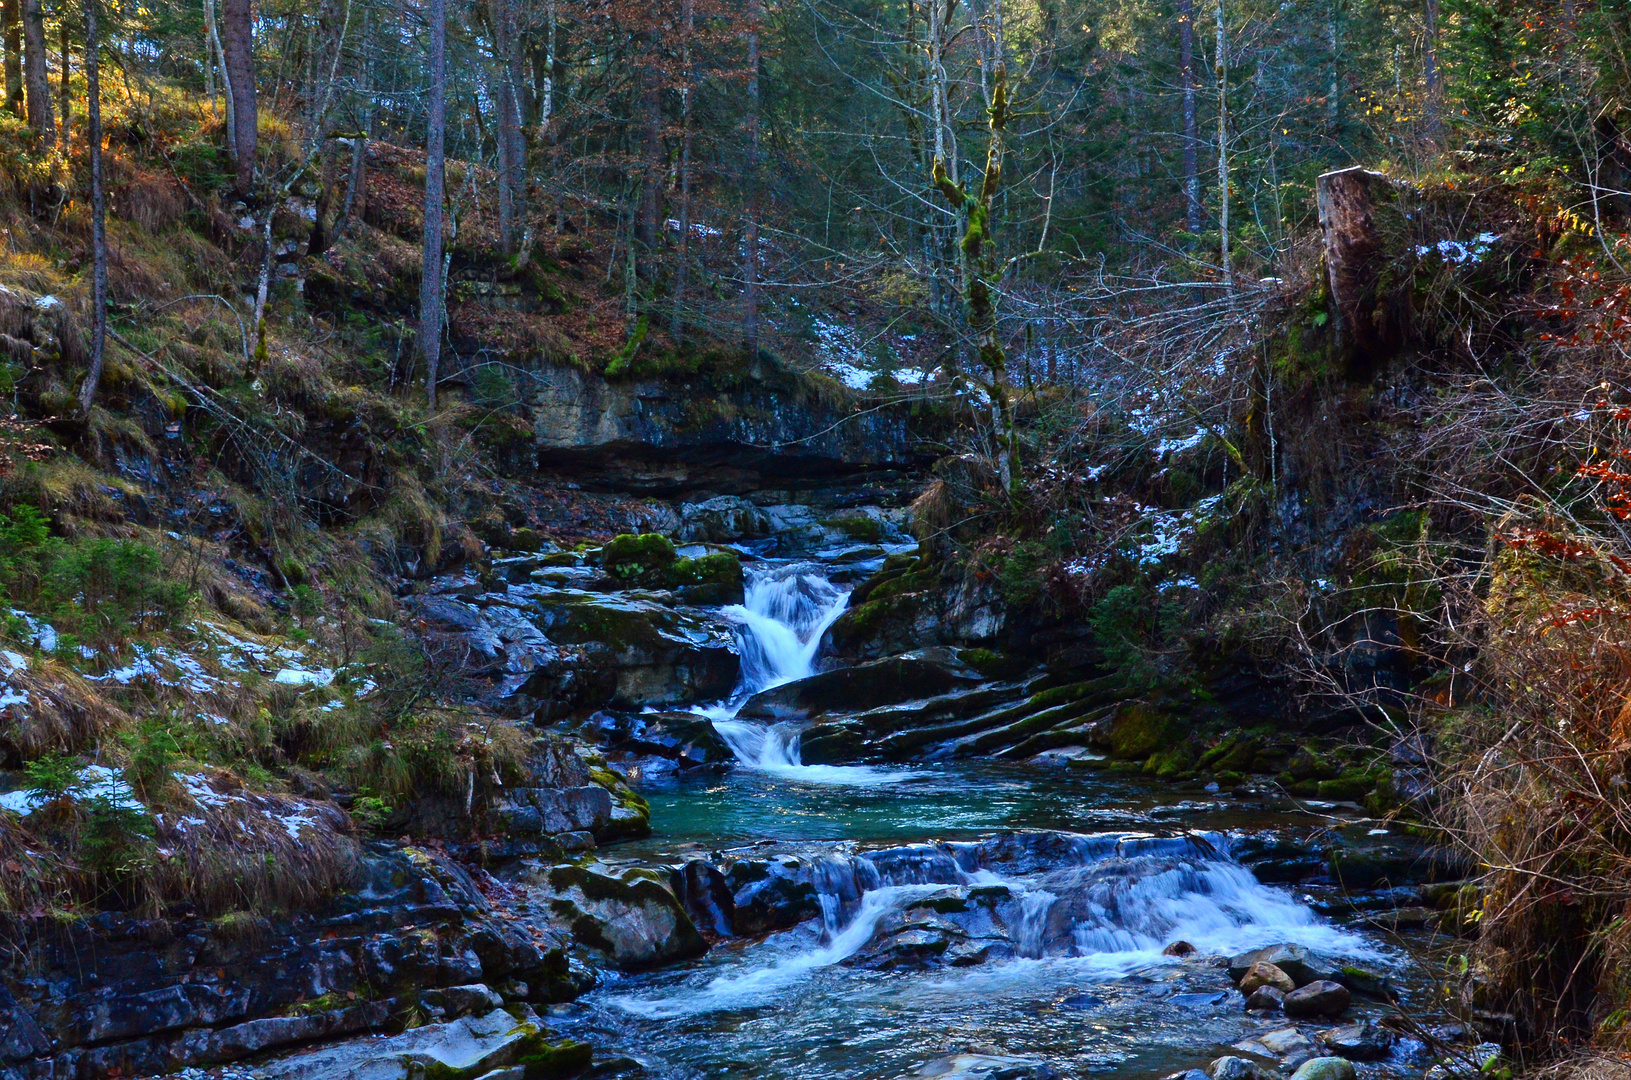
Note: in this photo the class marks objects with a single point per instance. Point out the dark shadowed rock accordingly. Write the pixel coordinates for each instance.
(1270, 999)
(1359, 1042)
(1320, 998)
(872, 685)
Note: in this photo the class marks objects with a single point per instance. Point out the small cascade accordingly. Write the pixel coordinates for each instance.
(779, 627)
(1106, 905)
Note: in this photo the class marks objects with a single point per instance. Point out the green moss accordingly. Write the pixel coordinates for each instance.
(717, 568)
(631, 556)
(992, 664)
(546, 1061)
(1139, 730)
(857, 527)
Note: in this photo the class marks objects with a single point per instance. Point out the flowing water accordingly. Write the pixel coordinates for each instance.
(1076, 980)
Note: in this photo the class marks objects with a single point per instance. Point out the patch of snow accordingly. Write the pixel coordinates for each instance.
(697, 228)
(1170, 528)
(199, 788)
(851, 376)
(46, 303)
(299, 677)
(910, 376)
(92, 782)
(292, 823)
(1178, 446)
(1179, 583)
(43, 633)
(13, 661)
(10, 695)
(1457, 251)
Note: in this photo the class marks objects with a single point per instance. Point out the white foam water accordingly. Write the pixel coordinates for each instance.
(779, 626)
(758, 985)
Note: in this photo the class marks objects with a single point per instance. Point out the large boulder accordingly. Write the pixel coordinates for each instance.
(1359, 1042)
(631, 916)
(1296, 961)
(1266, 974)
(469, 1046)
(1325, 1068)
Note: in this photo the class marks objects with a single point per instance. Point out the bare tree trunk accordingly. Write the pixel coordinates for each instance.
(430, 287)
(1222, 68)
(238, 49)
(1192, 141)
(507, 122)
(11, 30)
(36, 82)
(359, 145)
(1373, 315)
(99, 237)
(226, 76)
(65, 105)
(688, 21)
(750, 290)
(1333, 103)
(1430, 71)
(648, 223)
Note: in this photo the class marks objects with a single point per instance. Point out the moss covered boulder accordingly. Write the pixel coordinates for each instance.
(645, 652)
(1140, 730)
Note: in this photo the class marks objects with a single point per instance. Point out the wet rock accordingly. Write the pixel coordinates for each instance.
(1359, 1042)
(1409, 918)
(1320, 998)
(1287, 1044)
(649, 654)
(534, 811)
(1269, 999)
(451, 1002)
(1198, 1001)
(706, 894)
(1233, 1068)
(1179, 948)
(468, 1047)
(631, 915)
(771, 894)
(1187, 1074)
(1325, 1068)
(1467, 1064)
(725, 519)
(1296, 961)
(922, 674)
(1263, 973)
(980, 1065)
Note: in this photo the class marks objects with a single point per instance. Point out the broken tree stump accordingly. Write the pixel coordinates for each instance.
(1370, 285)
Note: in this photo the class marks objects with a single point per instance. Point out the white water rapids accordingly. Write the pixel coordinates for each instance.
(779, 627)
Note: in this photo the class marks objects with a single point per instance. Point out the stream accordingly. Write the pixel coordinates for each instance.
(976, 918)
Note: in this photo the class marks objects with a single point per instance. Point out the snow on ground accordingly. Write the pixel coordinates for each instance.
(1457, 251)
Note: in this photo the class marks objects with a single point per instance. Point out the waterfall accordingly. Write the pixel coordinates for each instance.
(779, 627)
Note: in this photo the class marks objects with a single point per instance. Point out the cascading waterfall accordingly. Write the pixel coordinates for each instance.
(786, 611)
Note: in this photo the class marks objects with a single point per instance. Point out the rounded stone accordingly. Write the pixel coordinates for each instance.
(1266, 974)
(1326, 1068)
(1322, 998)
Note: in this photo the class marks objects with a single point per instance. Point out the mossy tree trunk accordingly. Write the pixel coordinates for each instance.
(980, 279)
(36, 82)
(430, 284)
(99, 236)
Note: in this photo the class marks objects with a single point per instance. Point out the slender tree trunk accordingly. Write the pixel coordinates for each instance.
(1222, 68)
(750, 291)
(1333, 103)
(1192, 140)
(226, 76)
(430, 288)
(11, 30)
(36, 81)
(1430, 71)
(65, 106)
(99, 238)
(239, 60)
(359, 145)
(648, 223)
(688, 21)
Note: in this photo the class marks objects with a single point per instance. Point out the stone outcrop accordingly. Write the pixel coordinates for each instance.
(728, 432)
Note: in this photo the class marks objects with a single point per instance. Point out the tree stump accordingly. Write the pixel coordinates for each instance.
(1363, 230)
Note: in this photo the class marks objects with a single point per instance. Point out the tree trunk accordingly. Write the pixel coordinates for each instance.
(1333, 103)
(1192, 141)
(1222, 68)
(226, 77)
(750, 288)
(688, 23)
(359, 145)
(430, 287)
(648, 222)
(65, 106)
(238, 51)
(1430, 71)
(507, 122)
(1372, 315)
(99, 238)
(11, 30)
(36, 83)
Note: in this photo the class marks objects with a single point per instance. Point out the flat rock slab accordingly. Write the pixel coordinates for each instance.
(468, 1045)
(910, 676)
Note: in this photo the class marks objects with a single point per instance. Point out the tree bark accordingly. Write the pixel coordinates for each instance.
(65, 105)
(11, 30)
(1430, 72)
(99, 237)
(1192, 142)
(750, 277)
(238, 48)
(1333, 104)
(688, 23)
(359, 147)
(1372, 315)
(214, 43)
(1222, 68)
(648, 222)
(430, 287)
(36, 83)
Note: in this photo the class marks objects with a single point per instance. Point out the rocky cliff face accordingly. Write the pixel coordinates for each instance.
(726, 431)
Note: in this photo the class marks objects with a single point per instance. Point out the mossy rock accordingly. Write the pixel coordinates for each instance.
(1307, 764)
(629, 556)
(1139, 730)
(1174, 764)
(715, 578)
(857, 527)
(993, 664)
(1350, 786)
(542, 1060)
